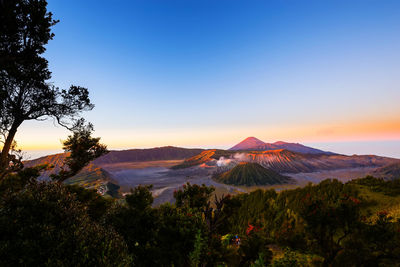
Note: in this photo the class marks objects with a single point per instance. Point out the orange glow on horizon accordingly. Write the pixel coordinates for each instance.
(223, 136)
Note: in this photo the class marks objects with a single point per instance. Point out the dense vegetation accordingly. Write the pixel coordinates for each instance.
(250, 174)
(49, 223)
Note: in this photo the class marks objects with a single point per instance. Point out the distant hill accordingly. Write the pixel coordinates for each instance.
(94, 176)
(254, 144)
(158, 153)
(55, 160)
(251, 174)
(388, 172)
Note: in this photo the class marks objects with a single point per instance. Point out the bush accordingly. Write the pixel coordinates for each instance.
(44, 224)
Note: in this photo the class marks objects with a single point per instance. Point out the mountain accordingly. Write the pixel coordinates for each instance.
(251, 174)
(388, 172)
(248, 144)
(296, 147)
(96, 177)
(55, 160)
(91, 177)
(131, 155)
(205, 156)
(285, 161)
(150, 154)
(254, 144)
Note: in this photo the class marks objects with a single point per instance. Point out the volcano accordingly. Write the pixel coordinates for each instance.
(251, 174)
(254, 144)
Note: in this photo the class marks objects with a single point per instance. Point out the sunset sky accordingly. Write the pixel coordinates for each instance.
(211, 73)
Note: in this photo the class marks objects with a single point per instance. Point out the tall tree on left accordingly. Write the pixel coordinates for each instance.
(25, 90)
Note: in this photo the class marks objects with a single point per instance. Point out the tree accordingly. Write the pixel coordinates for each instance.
(331, 214)
(82, 149)
(136, 222)
(193, 196)
(25, 90)
(45, 225)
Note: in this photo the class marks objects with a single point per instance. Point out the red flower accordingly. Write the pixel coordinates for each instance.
(249, 229)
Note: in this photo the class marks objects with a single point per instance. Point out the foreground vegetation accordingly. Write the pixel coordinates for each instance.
(329, 224)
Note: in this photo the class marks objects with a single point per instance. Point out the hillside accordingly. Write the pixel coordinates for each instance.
(55, 160)
(94, 177)
(284, 161)
(388, 172)
(254, 144)
(251, 174)
(151, 154)
(204, 157)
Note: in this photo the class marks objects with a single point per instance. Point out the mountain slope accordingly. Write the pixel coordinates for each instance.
(254, 144)
(204, 157)
(92, 176)
(388, 172)
(296, 147)
(251, 174)
(95, 176)
(248, 143)
(285, 161)
(150, 154)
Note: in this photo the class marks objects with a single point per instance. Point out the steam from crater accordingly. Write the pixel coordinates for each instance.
(222, 162)
(238, 157)
(241, 157)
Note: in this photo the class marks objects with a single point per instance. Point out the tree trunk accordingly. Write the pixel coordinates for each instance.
(7, 146)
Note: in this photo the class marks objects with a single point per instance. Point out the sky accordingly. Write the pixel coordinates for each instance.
(199, 73)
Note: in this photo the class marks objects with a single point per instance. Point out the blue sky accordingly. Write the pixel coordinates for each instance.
(210, 73)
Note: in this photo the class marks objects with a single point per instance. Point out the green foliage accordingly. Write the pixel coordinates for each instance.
(161, 236)
(83, 148)
(389, 188)
(176, 235)
(16, 181)
(320, 224)
(140, 198)
(97, 206)
(375, 244)
(199, 245)
(291, 259)
(137, 223)
(44, 224)
(253, 250)
(330, 218)
(193, 196)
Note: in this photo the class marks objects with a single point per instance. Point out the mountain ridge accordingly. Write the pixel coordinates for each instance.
(255, 144)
